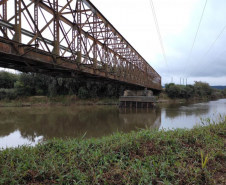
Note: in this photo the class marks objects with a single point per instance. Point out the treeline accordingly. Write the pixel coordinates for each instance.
(32, 84)
(199, 90)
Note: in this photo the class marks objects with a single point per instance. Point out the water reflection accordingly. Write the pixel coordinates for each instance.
(187, 115)
(141, 118)
(69, 122)
(35, 124)
(187, 109)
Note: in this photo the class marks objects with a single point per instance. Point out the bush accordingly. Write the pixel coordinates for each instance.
(9, 94)
(203, 89)
(173, 90)
(217, 94)
(83, 93)
(200, 89)
(7, 80)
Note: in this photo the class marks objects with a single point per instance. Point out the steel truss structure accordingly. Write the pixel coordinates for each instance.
(69, 38)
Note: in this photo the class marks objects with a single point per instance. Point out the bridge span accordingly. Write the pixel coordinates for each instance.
(69, 38)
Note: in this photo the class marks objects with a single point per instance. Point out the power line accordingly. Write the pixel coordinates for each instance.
(212, 62)
(195, 36)
(208, 50)
(159, 33)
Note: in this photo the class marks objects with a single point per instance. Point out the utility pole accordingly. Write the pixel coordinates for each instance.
(180, 81)
(186, 81)
(183, 81)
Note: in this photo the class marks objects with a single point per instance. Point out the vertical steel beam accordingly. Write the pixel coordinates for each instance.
(114, 46)
(95, 39)
(36, 21)
(106, 48)
(79, 17)
(73, 34)
(79, 24)
(73, 40)
(17, 26)
(85, 46)
(4, 12)
(114, 63)
(56, 29)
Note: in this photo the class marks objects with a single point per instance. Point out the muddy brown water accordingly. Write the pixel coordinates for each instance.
(30, 125)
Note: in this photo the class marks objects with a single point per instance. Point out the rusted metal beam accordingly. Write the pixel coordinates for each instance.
(4, 14)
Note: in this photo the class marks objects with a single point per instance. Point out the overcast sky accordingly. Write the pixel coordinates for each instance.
(178, 22)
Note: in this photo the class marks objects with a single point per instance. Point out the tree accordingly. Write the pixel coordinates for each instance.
(7, 80)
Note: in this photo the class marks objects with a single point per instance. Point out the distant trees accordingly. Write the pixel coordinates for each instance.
(199, 89)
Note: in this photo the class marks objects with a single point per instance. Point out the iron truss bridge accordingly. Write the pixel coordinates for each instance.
(69, 38)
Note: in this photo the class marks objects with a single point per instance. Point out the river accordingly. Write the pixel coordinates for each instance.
(30, 125)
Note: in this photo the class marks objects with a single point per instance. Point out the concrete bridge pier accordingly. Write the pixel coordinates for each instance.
(137, 99)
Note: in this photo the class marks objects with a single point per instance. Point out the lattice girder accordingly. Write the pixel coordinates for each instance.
(75, 30)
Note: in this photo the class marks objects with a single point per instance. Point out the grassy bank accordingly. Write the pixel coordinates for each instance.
(56, 101)
(143, 157)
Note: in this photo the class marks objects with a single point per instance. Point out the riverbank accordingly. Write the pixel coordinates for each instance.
(45, 101)
(164, 98)
(195, 156)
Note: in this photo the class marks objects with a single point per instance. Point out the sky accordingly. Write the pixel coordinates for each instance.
(178, 22)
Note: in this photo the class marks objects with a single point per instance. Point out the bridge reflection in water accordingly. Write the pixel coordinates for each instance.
(73, 122)
(140, 118)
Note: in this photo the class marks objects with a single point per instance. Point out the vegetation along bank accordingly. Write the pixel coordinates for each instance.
(198, 91)
(195, 156)
(36, 89)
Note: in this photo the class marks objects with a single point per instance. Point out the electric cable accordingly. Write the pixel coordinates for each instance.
(212, 62)
(195, 37)
(159, 34)
(208, 50)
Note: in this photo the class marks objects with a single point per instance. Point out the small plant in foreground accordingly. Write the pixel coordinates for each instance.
(204, 162)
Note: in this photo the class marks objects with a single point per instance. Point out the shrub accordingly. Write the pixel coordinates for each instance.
(9, 94)
(202, 89)
(173, 90)
(83, 93)
(7, 80)
(217, 94)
